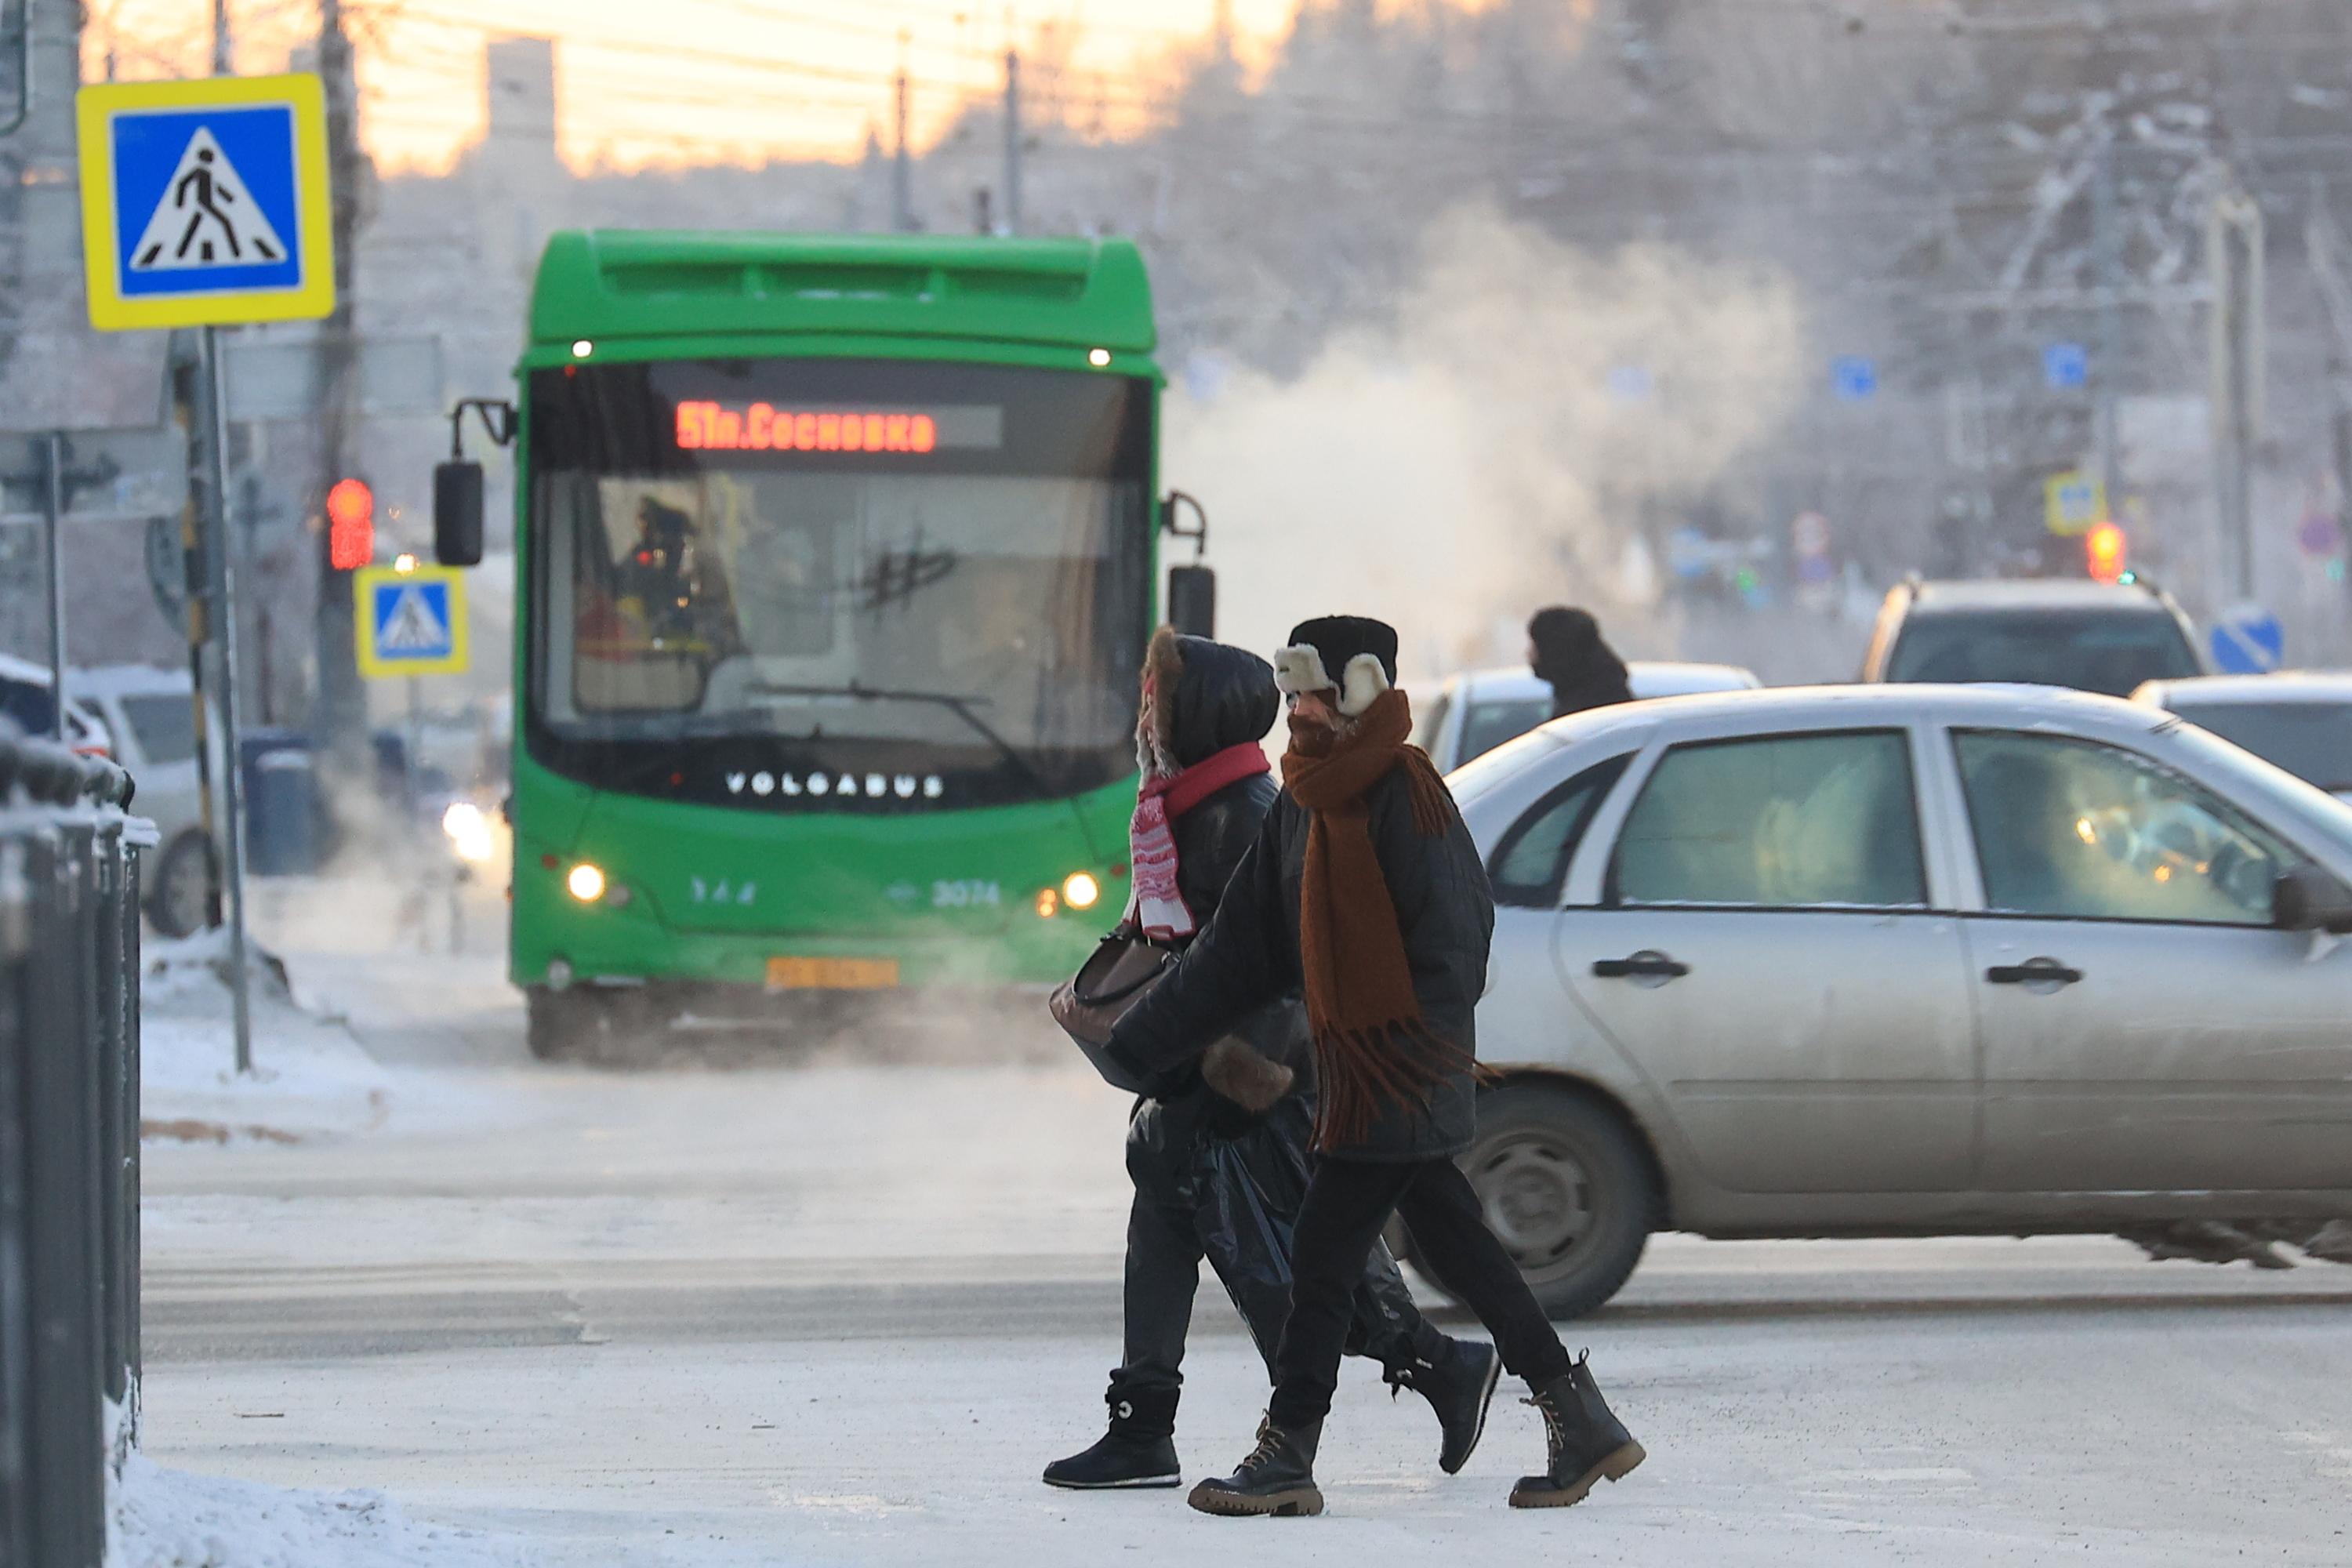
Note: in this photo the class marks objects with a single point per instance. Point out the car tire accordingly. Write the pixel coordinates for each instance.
(178, 893)
(1566, 1186)
(597, 1025)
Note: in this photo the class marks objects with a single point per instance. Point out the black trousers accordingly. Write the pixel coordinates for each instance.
(1237, 1206)
(1347, 1203)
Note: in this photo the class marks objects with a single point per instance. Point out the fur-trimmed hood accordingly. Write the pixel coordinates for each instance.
(1205, 697)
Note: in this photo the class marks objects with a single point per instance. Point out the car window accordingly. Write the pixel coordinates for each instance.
(31, 706)
(2311, 741)
(1432, 723)
(2109, 651)
(1486, 725)
(164, 724)
(1531, 861)
(2079, 830)
(1786, 822)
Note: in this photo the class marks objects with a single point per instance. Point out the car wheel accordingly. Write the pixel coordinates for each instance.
(599, 1025)
(179, 894)
(1566, 1187)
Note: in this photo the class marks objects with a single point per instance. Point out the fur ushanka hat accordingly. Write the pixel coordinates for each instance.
(1354, 656)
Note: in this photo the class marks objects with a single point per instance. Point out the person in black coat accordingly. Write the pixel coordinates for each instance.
(1565, 648)
(1218, 1156)
(1364, 891)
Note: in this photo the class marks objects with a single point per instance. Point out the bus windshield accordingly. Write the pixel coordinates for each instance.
(929, 576)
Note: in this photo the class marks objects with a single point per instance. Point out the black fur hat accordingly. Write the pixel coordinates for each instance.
(1362, 651)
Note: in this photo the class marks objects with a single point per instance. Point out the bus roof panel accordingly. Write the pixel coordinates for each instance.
(625, 283)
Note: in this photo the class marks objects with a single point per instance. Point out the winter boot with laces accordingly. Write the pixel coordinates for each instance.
(1586, 1440)
(1139, 1449)
(1278, 1477)
(1458, 1379)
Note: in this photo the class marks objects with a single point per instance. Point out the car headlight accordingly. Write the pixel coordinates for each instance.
(469, 834)
(584, 882)
(1079, 891)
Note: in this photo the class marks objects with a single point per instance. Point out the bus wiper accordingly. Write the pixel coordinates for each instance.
(961, 707)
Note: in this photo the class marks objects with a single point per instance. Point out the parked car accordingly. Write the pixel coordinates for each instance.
(149, 714)
(2301, 722)
(24, 699)
(1936, 960)
(2093, 637)
(1474, 713)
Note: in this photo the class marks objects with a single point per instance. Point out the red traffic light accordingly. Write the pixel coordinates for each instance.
(2105, 551)
(350, 525)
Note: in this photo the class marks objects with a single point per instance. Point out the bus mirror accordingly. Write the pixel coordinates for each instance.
(1192, 600)
(457, 514)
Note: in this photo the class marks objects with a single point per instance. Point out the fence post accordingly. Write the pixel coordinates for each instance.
(17, 1410)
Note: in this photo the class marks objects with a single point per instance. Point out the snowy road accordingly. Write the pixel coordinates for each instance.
(833, 1313)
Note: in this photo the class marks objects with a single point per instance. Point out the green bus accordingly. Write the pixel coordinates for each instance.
(835, 562)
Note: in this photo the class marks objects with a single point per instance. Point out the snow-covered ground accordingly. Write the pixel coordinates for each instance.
(176, 1518)
(791, 1311)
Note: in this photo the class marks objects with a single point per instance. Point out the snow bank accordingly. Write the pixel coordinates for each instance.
(309, 1077)
(176, 1519)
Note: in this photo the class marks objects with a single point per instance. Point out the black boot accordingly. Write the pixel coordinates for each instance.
(1586, 1439)
(1278, 1478)
(1458, 1379)
(1139, 1449)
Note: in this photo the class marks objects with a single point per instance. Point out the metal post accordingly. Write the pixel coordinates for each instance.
(53, 507)
(1012, 142)
(2106, 366)
(902, 182)
(216, 428)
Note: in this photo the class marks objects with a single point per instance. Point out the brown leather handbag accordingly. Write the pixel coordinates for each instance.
(1123, 967)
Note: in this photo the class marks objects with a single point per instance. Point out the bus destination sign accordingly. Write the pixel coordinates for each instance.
(706, 425)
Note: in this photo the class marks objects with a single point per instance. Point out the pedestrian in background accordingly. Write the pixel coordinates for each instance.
(1363, 888)
(1565, 648)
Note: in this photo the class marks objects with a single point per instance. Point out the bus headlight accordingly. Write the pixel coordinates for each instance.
(586, 883)
(1079, 891)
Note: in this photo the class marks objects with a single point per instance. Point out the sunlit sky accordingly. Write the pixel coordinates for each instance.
(691, 81)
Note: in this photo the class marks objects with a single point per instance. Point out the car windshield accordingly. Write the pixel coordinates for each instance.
(2105, 652)
(1487, 724)
(905, 567)
(2311, 741)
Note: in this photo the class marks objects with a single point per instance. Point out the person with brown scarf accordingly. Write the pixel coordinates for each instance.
(1364, 888)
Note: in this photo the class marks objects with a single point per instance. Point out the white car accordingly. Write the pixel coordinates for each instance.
(25, 699)
(2301, 722)
(148, 713)
(1474, 713)
(1902, 960)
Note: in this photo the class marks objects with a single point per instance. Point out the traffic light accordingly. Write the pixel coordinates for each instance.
(2104, 551)
(350, 525)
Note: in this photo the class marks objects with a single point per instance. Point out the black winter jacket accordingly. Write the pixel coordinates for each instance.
(1248, 955)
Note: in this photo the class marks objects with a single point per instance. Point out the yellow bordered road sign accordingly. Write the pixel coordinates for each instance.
(409, 623)
(2073, 502)
(205, 203)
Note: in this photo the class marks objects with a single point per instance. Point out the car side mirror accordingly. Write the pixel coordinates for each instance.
(1192, 600)
(457, 514)
(2305, 898)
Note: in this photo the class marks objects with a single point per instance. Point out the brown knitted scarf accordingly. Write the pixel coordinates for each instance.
(1372, 1051)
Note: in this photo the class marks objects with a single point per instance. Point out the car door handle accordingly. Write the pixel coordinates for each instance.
(1644, 963)
(2034, 971)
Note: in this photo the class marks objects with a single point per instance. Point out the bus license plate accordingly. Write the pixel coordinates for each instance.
(831, 974)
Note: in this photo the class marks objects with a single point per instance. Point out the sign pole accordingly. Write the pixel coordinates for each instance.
(224, 585)
(53, 506)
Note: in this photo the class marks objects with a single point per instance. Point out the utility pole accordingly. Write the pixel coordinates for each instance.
(339, 710)
(2106, 355)
(1011, 140)
(224, 58)
(902, 184)
(2234, 250)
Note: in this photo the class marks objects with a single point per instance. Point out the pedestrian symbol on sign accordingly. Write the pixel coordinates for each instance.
(414, 625)
(206, 217)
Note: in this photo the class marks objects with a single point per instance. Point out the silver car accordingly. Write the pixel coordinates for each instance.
(2302, 720)
(1476, 712)
(1877, 960)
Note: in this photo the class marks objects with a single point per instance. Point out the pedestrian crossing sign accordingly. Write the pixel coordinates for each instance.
(410, 623)
(205, 203)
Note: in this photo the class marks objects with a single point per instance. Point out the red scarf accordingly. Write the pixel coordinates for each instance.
(1155, 906)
